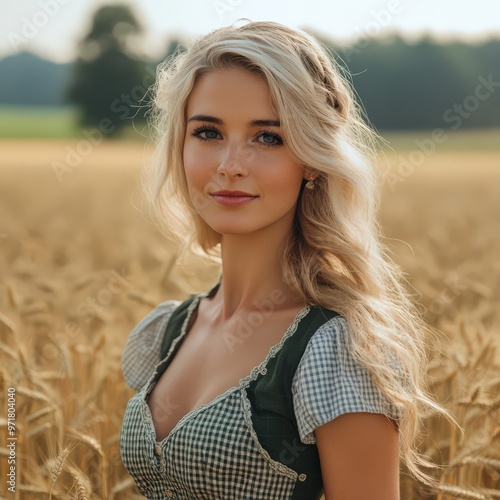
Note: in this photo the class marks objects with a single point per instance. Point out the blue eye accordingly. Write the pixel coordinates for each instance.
(211, 134)
(274, 137)
(198, 131)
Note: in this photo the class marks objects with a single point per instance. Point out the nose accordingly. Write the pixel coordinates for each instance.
(235, 161)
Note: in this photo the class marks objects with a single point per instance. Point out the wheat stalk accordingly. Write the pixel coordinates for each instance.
(121, 486)
(484, 461)
(458, 492)
(7, 323)
(81, 491)
(87, 439)
(39, 413)
(10, 352)
(57, 468)
(80, 482)
(40, 428)
(95, 445)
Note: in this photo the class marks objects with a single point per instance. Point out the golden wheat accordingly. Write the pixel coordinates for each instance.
(56, 467)
(78, 275)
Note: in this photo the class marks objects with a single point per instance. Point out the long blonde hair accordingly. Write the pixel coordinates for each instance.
(334, 256)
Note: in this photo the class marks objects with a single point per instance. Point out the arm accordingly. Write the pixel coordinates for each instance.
(359, 455)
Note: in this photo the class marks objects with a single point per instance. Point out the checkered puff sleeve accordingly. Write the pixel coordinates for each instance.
(142, 351)
(328, 382)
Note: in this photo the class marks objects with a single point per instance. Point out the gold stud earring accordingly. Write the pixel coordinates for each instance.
(310, 184)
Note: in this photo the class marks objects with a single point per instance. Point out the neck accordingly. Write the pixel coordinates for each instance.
(252, 278)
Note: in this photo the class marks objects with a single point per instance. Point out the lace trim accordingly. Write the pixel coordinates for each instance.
(190, 310)
(151, 381)
(277, 466)
(243, 383)
(151, 438)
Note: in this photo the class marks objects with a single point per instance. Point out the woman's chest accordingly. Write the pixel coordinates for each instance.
(243, 443)
(215, 453)
(208, 362)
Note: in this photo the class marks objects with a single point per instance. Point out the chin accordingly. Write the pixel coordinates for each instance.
(233, 231)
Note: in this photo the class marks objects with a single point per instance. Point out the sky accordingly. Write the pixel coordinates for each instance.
(52, 28)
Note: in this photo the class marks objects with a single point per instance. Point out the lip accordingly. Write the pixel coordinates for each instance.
(225, 192)
(232, 198)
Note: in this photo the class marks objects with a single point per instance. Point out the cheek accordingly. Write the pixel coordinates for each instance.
(198, 178)
(193, 165)
(188, 159)
(197, 162)
(286, 181)
(190, 173)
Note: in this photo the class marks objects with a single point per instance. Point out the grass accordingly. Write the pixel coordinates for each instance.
(18, 122)
(454, 140)
(37, 122)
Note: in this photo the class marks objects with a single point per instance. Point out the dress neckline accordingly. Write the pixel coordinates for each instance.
(260, 369)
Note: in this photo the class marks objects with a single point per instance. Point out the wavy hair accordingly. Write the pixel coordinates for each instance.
(335, 256)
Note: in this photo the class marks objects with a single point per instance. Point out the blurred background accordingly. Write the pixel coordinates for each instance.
(414, 66)
(82, 259)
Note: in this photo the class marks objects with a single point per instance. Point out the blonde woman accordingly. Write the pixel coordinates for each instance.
(300, 373)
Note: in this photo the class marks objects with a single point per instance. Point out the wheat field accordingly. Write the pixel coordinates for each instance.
(82, 263)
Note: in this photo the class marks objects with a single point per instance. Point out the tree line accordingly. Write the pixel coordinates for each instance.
(401, 85)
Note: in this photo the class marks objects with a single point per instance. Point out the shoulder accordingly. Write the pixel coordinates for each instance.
(325, 337)
(142, 349)
(328, 381)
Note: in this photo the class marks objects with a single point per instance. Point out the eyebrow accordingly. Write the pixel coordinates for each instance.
(218, 121)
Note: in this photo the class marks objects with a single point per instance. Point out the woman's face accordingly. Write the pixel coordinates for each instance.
(233, 142)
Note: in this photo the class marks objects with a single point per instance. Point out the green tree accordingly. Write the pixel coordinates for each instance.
(109, 79)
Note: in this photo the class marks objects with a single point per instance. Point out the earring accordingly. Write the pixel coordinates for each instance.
(310, 184)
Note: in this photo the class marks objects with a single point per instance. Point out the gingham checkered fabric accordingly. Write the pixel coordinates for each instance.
(214, 452)
(328, 382)
(142, 350)
(212, 455)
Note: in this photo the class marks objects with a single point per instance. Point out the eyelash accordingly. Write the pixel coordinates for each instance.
(197, 131)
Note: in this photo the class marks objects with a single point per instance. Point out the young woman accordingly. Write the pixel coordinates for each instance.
(300, 373)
